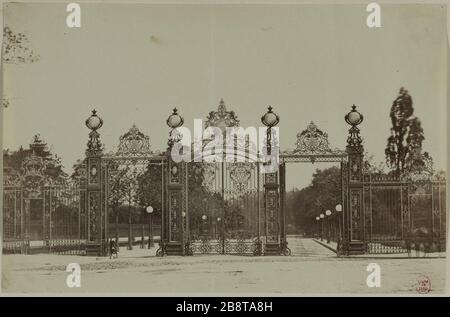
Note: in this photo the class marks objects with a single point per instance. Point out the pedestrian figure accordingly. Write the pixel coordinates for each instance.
(113, 248)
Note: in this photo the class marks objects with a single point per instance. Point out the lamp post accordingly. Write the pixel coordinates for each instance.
(317, 232)
(218, 231)
(328, 214)
(204, 217)
(142, 230)
(338, 209)
(321, 226)
(149, 210)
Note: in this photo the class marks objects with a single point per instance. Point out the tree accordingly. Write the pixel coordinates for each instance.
(149, 194)
(129, 185)
(116, 194)
(324, 192)
(404, 145)
(149, 188)
(12, 160)
(16, 48)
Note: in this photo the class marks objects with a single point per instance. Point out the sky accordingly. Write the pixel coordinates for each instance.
(134, 63)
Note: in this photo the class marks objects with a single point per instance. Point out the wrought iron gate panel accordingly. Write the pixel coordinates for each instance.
(439, 214)
(402, 215)
(426, 203)
(385, 221)
(224, 208)
(65, 219)
(54, 222)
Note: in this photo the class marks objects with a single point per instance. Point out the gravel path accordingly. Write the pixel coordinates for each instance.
(312, 268)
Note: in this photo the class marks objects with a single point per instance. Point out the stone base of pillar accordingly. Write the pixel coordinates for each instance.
(94, 249)
(356, 247)
(272, 249)
(174, 248)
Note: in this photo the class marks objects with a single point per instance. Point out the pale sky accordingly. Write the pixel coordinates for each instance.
(134, 63)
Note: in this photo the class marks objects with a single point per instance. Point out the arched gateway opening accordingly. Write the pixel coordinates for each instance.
(312, 147)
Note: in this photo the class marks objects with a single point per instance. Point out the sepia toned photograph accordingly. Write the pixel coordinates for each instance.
(224, 149)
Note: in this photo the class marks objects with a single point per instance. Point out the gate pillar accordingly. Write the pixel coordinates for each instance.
(96, 235)
(173, 242)
(353, 239)
(273, 217)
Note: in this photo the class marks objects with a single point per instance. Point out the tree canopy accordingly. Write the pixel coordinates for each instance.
(324, 192)
(404, 145)
(12, 160)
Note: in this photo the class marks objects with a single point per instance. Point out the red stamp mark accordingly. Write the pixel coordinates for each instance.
(424, 285)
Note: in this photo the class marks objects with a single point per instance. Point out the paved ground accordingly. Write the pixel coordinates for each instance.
(312, 268)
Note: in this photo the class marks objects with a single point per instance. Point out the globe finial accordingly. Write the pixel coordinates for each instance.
(175, 120)
(354, 118)
(94, 122)
(270, 119)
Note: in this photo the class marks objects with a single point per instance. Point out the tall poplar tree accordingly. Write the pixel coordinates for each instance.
(404, 145)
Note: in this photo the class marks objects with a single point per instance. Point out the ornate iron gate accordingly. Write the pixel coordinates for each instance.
(386, 215)
(404, 215)
(41, 215)
(224, 208)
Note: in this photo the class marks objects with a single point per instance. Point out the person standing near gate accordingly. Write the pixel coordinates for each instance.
(113, 248)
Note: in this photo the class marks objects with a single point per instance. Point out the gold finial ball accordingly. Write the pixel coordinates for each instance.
(94, 122)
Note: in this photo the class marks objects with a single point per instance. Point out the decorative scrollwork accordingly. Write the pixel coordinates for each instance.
(240, 174)
(222, 118)
(241, 247)
(312, 144)
(209, 176)
(33, 175)
(94, 145)
(94, 212)
(312, 141)
(134, 143)
(11, 179)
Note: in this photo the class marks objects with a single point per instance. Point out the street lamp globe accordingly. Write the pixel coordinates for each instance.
(204, 217)
(338, 207)
(322, 216)
(270, 119)
(219, 219)
(149, 209)
(317, 218)
(328, 212)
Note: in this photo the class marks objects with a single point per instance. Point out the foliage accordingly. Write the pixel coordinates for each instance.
(372, 167)
(404, 145)
(324, 192)
(12, 160)
(149, 188)
(16, 48)
(201, 201)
